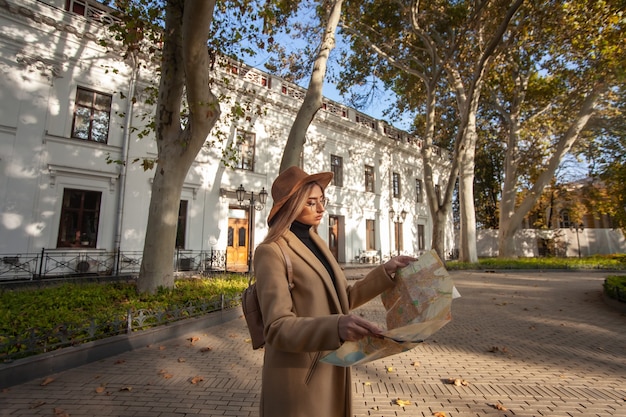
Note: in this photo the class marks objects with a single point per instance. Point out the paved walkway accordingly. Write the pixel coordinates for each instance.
(524, 344)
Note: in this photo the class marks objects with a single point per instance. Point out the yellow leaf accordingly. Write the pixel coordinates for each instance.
(127, 388)
(367, 384)
(196, 379)
(416, 364)
(46, 381)
(402, 403)
(439, 414)
(390, 369)
(499, 406)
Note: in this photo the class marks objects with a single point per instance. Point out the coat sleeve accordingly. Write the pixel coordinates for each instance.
(374, 283)
(283, 329)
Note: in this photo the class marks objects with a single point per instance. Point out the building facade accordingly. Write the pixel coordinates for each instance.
(73, 152)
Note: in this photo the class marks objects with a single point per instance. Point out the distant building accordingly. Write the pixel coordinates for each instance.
(70, 136)
(569, 221)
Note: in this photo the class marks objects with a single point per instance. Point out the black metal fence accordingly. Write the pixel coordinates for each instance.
(53, 263)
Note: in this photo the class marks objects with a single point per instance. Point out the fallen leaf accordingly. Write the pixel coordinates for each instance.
(390, 369)
(206, 349)
(119, 361)
(60, 412)
(46, 381)
(100, 389)
(193, 339)
(127, 388)
(367, 384)
(162, 347)
(457, 382)
(181, 360)
(248, 340)
(416, 364)
(439, 414)
(401, 403)
(499, 406)
(196, 379)
(37, 404)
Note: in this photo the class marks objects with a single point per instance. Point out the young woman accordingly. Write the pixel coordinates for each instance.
(304, 322)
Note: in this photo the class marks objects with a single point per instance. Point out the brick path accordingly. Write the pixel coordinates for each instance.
(539, 344)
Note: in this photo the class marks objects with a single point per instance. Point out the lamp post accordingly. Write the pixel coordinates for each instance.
(399, 219)
(252, 205)
(578, 227)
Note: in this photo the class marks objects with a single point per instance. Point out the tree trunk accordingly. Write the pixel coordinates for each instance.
(561, 148)
(313, 98)
(184, 68)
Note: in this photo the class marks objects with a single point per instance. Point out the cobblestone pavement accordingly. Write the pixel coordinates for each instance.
(524, 344)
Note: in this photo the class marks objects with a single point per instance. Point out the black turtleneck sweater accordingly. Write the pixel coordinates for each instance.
(302, 231)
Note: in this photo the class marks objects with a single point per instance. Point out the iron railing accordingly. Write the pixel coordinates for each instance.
(53, 263)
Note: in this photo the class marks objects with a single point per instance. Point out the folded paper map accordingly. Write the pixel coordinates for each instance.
(417, 307)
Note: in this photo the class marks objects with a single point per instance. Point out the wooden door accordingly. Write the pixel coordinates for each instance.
(333, 235)
(237, 249)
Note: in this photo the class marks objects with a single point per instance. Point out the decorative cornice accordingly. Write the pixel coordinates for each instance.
(46, 67)
(25, 12)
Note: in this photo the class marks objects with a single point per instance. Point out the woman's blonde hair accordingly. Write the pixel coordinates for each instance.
(281, 222)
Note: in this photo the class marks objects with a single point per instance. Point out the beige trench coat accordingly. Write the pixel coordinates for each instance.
(302, 325)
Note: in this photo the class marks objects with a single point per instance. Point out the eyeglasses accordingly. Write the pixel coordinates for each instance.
(313, 204)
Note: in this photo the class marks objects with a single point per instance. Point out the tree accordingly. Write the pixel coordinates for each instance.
(428, 52)
(559, 64)
(313, 97)
(186, 36)
(185, 67)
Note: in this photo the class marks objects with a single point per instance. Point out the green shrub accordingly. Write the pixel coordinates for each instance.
(615, 262)
(47, 307)
(615, 287)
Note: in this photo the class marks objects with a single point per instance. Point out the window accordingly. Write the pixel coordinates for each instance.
(564, 219)
(80, 213)
(181, 228)
(369, 178)
(336, 166)
(399, 237)
(76, 6)
(90, 11)
(370, 234)
(395, 184)
(245, 144)
(421, 239)
(419, 198)
(92, 113)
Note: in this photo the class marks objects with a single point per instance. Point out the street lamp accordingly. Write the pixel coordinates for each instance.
(399, 219)
(578, 227)
(252, 204)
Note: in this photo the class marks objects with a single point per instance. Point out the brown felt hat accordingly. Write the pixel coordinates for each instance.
(289, 182)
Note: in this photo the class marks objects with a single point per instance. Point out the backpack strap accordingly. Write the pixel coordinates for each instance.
(283, 249)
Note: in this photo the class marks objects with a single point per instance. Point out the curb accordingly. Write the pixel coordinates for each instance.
(33, 367)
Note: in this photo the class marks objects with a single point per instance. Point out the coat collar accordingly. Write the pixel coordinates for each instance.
(300, 250)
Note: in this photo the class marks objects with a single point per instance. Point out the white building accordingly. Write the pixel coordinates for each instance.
(65, 114)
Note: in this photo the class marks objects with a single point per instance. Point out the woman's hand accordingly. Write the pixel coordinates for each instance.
(353, 328)
(397, 262)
